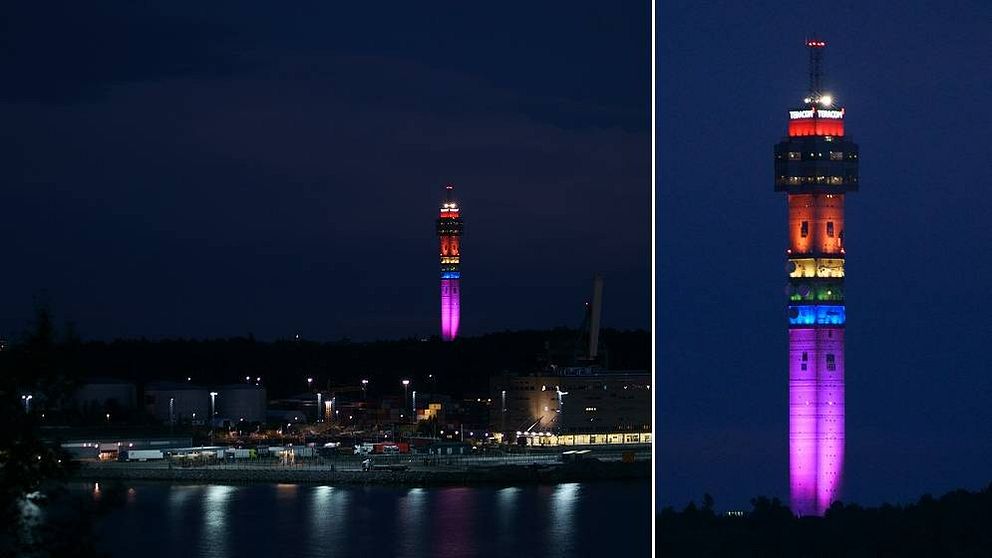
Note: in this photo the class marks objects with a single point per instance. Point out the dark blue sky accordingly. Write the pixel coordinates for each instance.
(212, 169)
(914, 77)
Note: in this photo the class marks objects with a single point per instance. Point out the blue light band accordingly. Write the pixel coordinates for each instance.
(817, 315)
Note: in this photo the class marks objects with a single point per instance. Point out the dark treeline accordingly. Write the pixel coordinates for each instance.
(37, 515)
(460, 368)
(957, 524)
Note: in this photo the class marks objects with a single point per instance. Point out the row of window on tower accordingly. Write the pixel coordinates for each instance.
(817, 155)
(831, 361)
(804, 229)
(800, 180)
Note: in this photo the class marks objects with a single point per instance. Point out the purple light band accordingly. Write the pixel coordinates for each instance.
(816, 418)
(450, 308)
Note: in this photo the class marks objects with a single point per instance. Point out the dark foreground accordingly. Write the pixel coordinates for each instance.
(219, 520)
(957, 524)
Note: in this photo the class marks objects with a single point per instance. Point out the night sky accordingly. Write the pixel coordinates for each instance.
(216, 169)
(914, 78)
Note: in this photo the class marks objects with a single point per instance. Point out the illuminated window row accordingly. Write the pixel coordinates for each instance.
(807, 292)
(807, 180)
(451, 275)
(815, 267)
(450, 259)
(816, 315)
(813, 156)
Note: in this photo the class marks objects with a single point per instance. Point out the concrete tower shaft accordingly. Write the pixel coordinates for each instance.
(816, 224)
(816, 165)
(449, 231)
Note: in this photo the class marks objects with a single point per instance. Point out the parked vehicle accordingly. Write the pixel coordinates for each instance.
(240, 453)
(363, 449)
(370, 465)
(391, 448)
(144, 455)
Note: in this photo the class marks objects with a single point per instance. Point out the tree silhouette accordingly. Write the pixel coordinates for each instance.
(32, 381)
(956, 524)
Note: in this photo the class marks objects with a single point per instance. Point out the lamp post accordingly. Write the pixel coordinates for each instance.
(365, 388)
(413, 407)
(309, 383)
(406, 387)
(320, 406)
(502, 417)
(213, 408)
(27, 402)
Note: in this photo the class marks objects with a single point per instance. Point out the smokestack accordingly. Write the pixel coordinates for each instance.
(597, 307)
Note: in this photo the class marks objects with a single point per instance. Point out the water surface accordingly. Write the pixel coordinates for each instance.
(220, 521)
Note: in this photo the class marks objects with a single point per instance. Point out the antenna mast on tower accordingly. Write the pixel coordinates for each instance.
(816, 47)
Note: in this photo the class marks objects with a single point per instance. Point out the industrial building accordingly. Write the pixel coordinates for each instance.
(572, 401)
(574, 405)
(241, 403)
(98, 394)
(178, 403)
(816, 165)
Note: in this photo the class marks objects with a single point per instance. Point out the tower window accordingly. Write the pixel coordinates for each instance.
(805, 356)
(836, 156)
(804, 229)
(795, 156)
(830, 229)
(831, 364)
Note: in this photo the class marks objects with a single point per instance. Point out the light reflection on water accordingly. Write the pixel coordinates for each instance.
(564, 502)
(506, 502)
(216, 517)
(328, 514)
(452, 525)
(412, 510)
(220, 521)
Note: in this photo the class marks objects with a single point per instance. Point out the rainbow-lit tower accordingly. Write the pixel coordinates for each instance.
(816, 165)
(449, 232)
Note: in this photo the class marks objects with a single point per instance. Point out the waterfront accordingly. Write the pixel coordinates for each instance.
(218, 521)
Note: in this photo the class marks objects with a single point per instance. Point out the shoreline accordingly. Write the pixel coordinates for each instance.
(589, 471)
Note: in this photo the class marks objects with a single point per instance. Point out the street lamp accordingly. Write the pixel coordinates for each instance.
(213, 406)
(413, 408)
(309, 382)
(320, 405)
(406, 387)
(365, 387)
(502, 416)
(27, 402)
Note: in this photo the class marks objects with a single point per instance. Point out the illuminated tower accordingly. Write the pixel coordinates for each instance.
(815, 166)
(449, 232)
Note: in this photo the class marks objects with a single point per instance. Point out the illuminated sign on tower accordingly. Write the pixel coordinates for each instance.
(449, 232)
(816, 165)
